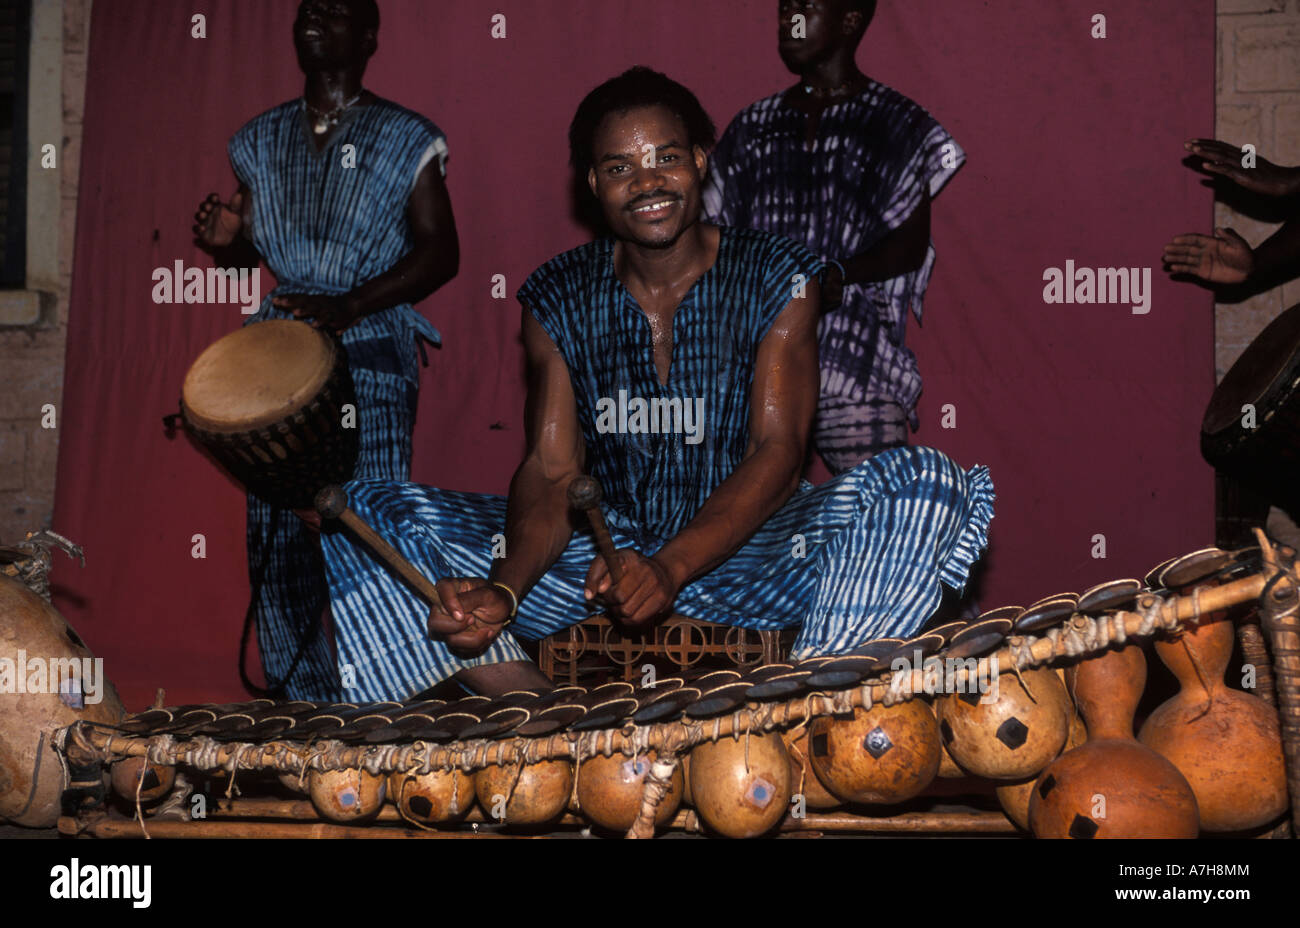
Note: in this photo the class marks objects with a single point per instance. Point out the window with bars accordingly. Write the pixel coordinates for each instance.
(15, 44)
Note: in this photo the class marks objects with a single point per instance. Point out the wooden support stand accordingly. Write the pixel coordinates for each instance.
(274, 818)
(1281, 613)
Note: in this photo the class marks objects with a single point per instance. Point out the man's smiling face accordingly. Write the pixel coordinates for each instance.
(646, 175)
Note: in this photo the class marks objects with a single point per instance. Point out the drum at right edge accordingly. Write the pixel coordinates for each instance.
(1251, 429)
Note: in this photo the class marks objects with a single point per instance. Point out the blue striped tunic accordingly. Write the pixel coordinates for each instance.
(874, 157)
(326, 222)
(859, 557)
(325, 227)
(655, 481)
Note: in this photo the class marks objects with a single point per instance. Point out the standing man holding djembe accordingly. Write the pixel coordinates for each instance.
(342, 193)
(847, 167)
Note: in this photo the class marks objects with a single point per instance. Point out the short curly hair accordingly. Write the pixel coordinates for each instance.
(366, 13)
(633, 89)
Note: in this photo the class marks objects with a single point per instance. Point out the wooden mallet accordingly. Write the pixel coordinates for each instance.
(585, 495)
(332, 503)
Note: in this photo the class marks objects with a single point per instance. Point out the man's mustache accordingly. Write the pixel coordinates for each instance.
(651, 197)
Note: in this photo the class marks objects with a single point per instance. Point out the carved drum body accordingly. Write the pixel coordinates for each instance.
(268, 402)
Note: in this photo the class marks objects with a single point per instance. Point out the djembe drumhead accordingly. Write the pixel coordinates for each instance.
(271, 403)
(257, 375)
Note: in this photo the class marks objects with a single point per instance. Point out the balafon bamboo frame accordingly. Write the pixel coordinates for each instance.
(1079, 636)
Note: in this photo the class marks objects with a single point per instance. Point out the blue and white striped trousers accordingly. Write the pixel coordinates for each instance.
(859, 557)
(293, 593)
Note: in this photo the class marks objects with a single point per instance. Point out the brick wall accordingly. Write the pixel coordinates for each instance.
(31, 359)
(1258, 102)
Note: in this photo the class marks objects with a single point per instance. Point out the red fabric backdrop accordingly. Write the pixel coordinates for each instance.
(1087, 415)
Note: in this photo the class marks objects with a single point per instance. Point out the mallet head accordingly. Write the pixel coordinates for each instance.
(584, 493)
(331, 501)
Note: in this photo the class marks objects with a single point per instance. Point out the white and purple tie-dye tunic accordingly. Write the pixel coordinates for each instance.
(874, 156)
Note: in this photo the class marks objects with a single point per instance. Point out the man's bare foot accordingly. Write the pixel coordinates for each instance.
(495, 679)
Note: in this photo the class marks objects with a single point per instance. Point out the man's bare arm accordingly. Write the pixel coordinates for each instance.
(474, 611)
(224, 230)
(538, 522)
(899, 252)
(1227, 258)
(1278, 256)
(434, 257)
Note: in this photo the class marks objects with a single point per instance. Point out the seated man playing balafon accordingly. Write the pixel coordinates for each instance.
(717, 525)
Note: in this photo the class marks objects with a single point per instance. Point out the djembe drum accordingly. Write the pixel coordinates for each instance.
(1111, 786)
(1227, 743)
(268, 403)
(1251, 428)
